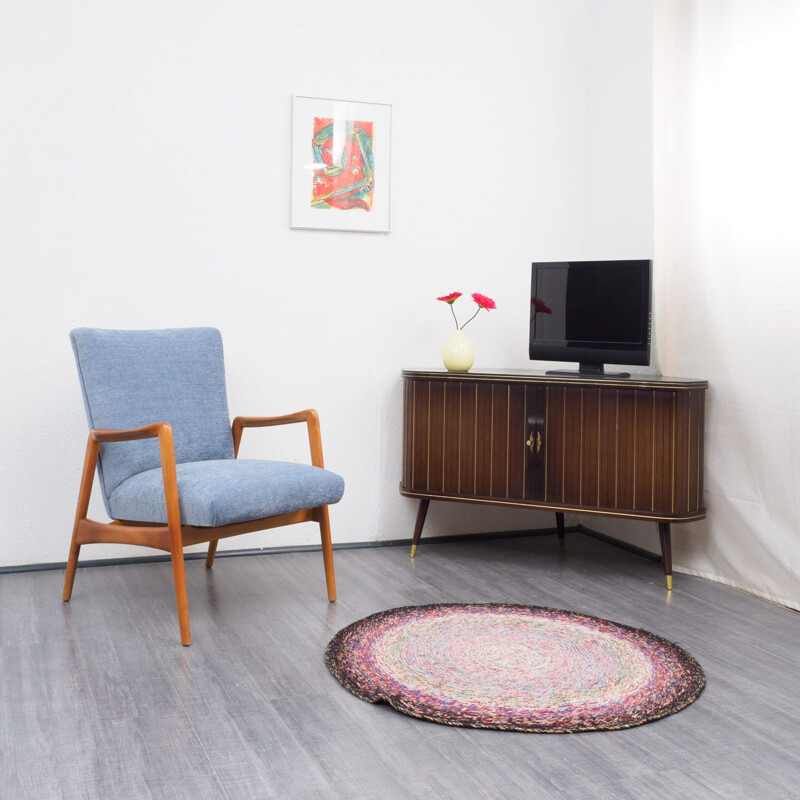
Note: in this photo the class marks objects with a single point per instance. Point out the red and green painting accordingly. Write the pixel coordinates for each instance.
(347, 180)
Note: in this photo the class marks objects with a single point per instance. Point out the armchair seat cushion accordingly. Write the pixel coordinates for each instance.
(214, 493)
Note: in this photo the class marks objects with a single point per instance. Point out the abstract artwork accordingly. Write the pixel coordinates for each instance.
(346, 175)
(341, 170)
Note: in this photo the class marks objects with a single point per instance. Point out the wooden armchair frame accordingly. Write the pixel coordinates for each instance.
(173, 536)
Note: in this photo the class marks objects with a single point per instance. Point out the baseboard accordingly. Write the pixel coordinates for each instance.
(303, 548)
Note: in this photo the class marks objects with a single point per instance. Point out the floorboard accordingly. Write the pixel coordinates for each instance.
(99, 700)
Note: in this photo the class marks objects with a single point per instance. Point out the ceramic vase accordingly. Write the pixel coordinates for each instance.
(458, 354)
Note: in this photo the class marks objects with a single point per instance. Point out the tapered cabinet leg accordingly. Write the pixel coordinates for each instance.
(560, 526)
(421, 514)
(666, 551)
(327, 551)
(182, 601)
(212, 551)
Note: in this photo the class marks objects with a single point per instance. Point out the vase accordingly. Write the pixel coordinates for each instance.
(458, 354)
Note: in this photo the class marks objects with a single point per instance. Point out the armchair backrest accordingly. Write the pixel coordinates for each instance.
(135, 378)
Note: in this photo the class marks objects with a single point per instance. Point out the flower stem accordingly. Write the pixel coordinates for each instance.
(471, 318)
(452, 311)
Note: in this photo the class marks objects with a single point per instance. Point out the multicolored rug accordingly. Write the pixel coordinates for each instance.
(511, 667)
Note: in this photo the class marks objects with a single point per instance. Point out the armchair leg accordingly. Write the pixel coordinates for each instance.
(179, 575)
(327, 551)
(212, 551)
(84, 493)
(167, 450)
(72, 566)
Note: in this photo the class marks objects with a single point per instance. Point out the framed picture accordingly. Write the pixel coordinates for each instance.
(341, 165)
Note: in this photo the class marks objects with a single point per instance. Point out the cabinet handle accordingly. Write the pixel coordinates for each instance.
(534, 443)
(529, 443)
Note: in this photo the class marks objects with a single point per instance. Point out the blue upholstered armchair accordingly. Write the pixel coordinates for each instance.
(165, 452)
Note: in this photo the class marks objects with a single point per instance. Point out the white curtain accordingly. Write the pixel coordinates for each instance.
(727, 247)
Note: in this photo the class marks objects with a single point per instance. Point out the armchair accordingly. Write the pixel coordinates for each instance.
(189, 487)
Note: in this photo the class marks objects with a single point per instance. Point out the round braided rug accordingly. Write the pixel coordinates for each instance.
(512, 667)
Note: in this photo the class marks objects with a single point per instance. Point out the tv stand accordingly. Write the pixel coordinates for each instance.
(589, 370)
(598, 445)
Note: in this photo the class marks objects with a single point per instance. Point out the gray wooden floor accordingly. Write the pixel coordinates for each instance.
(99, 700)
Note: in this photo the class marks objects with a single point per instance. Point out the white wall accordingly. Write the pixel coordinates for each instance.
(145, 183)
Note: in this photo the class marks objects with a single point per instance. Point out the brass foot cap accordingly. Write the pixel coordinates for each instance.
(413, 550)
(669, 583)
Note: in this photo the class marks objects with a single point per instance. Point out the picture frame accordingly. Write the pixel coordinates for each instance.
(341, 165)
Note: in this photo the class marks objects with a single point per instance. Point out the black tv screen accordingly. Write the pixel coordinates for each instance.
(593, 312)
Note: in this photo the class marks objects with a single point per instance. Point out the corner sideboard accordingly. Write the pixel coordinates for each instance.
(615, 447)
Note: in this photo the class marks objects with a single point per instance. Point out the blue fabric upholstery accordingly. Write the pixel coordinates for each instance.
(214, 493)
(135, 378)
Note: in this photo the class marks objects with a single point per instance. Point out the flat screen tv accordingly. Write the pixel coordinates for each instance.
(592, 312)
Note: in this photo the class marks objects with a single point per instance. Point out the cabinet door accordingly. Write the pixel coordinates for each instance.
(492, 431)
(465, 438)
(583, 430)
(534, 442)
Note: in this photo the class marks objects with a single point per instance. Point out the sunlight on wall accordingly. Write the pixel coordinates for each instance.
(728, 240)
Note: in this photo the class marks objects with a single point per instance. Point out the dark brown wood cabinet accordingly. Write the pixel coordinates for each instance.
(628, 447)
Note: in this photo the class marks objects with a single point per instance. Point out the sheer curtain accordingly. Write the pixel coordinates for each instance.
(727, 261)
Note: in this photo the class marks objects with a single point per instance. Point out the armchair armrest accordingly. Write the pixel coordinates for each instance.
(162, 431)
(173, 541)
(308, 415)
(101, 435)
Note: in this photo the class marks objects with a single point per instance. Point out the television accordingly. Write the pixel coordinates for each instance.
(592, 312)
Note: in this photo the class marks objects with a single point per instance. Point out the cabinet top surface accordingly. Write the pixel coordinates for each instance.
(540, 376)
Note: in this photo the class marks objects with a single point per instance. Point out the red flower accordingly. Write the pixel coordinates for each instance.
(540, 305)
(450, 298)
(484, 302)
